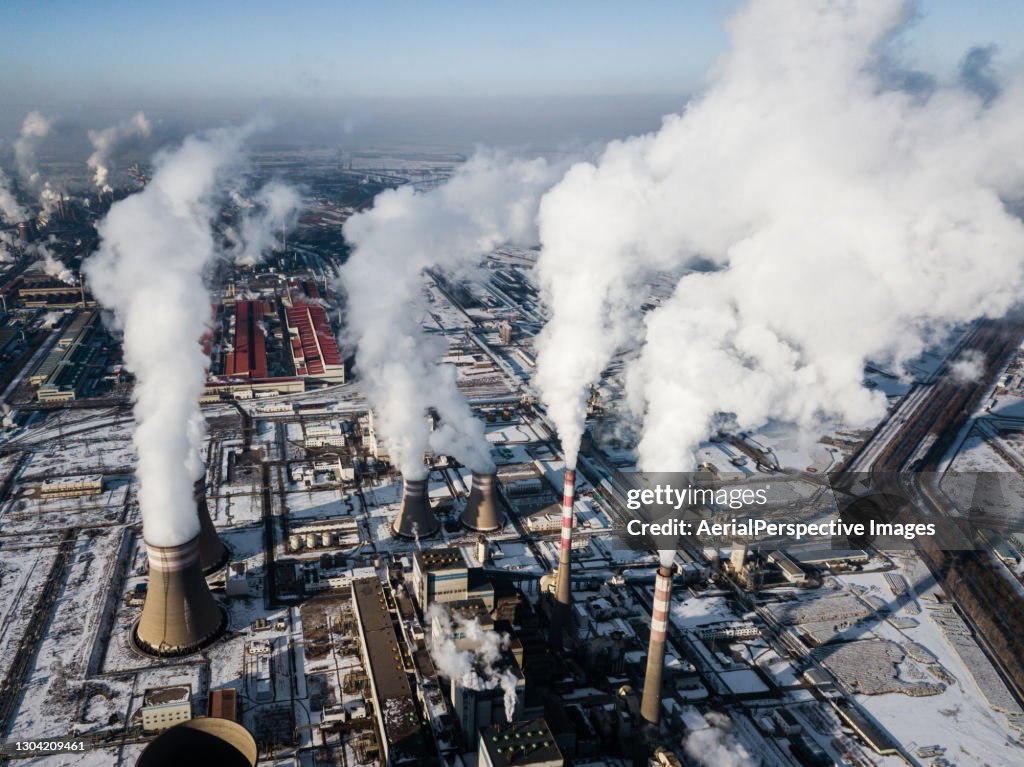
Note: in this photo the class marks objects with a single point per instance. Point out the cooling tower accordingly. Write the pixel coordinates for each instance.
(563, 596)
(180, 615)
(415, 519)
(483, 514)
(213, 554)
(650, 707)
(201, 741)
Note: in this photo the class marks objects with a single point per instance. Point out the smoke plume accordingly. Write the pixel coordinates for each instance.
(52, 265)
(844, 220)
(11, 211)
(716, 745)
(489, 201)
(273, 210)
(34, 129)
(155, 246)
(106, 141)
(475, 666)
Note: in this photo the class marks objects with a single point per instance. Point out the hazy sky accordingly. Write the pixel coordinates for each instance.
(177, 60)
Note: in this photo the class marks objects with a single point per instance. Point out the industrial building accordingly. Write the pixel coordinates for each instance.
(248, 356)
(68, 487)
(520, 744)
(313, 348)
(442, 575)
(62, 374)
(404, 734)
(164, 707)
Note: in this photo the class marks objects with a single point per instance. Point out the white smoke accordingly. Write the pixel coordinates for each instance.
(106, 141)
(845, 221)
(273, 210)
(50, 319)
(11, 211)
(968, 367)
(154, 249)
(34, 129)
(52, 265)
(488, 201)
(475, 667)
(716, 745)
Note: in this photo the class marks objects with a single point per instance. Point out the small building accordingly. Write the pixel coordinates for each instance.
(224, 704)
(164, 707)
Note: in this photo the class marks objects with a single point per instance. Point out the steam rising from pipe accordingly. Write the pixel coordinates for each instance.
(843, 221)
(716, 744)
(34, 129)
(106, 141)
(11, 211)
(489, 201)
(472, 668)
(154, 249)
(274, 209)
(52, 265)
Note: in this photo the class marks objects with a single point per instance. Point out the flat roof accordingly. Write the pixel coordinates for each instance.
(403, 726)
(441, 559)
(520, 743)
(160, 696)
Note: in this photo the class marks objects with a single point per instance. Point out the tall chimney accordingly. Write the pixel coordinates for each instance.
(213, 554)
(563, 596)
(415, 519)
(650, 707)
(482, 512)
(180, 615)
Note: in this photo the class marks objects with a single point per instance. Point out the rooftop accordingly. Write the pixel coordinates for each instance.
(520, 743)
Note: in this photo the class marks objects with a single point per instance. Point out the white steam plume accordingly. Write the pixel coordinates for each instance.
(52, 265)
(716, 744)
(11, 211)
(274, 209)
(475, 666)
(489, 201)
(155, 246)
(106, 141)
(847, 221)
(34, 129)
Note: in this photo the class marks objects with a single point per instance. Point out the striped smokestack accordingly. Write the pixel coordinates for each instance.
(650, 707)
(213, 554)
(415, 519)
(482, 512)
(563, 591)
(180, 615)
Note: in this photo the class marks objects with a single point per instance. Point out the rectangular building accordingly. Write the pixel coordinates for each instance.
(164, 707)
(520, 744)
(313, 347)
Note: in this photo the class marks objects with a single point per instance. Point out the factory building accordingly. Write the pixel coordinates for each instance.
(248, 358)
(72, 487)
(478, 708)
(404, 736)
(520, 744)
(62, 374)
(164, 707)
(442, 575)
(313, 348)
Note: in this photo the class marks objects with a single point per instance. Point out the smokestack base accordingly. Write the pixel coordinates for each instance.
(483, 514)
(180, 615)
(415, 519)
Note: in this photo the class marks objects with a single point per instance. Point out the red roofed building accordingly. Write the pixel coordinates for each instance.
(314, 351)
(249, 358)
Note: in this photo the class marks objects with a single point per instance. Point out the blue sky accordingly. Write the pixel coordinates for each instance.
(186, 60)
(272, 49)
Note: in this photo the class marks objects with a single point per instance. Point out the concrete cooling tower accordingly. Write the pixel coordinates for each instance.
(201, 742)
(415, 519)
(213, 554)
(180, 615)
(650, 707)
(483, 514)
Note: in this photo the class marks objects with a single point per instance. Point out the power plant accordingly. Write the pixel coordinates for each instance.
(211, 740)
(415, 520)
(562, 609)
(482, 513)
(180, 615)
(650, 707)
(213, 554)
